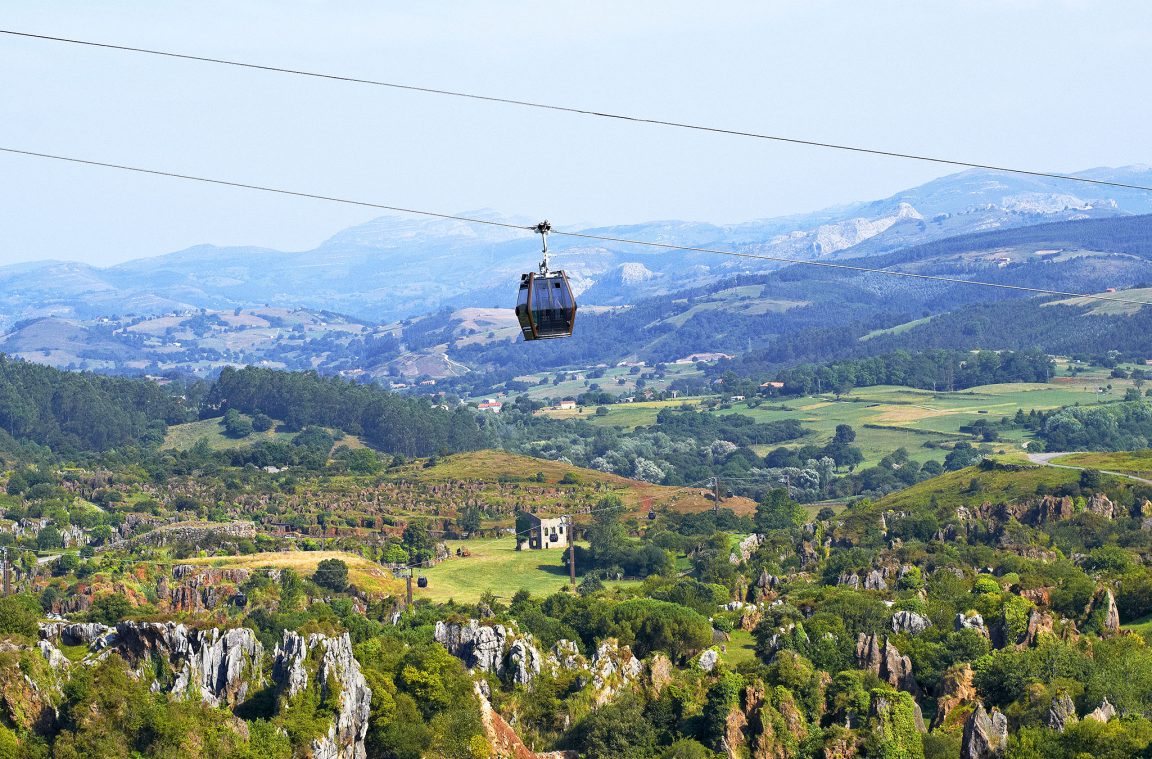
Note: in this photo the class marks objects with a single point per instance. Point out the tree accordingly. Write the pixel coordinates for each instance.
(19, 615)
(778, 512)
(49, 538)
(1090, 479)
(236, 425)
(844, 434)
(419, 542)
(469, 520)
(262, 422)
(332, 574)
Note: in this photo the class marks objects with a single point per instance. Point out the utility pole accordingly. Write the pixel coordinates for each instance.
(571, 552)
(409, 578)
(7, 573)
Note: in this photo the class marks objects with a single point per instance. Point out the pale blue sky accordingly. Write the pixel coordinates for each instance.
(1051, 85)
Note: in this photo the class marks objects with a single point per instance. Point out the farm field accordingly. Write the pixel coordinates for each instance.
(887, 417)
(498, 567)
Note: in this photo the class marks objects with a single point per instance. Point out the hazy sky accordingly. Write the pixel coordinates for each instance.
(1046, 84)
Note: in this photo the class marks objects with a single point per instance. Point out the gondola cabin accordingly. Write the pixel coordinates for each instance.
(545, 306)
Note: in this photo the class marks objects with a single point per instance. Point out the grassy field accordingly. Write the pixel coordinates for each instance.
(1142, 627)
(954, 488)
(491, 466)
(617, 380)
(742, 648)
(887, 417)
(184, 436)
(498, 567)
(626, 415)
(1138, 463)
(364, 574)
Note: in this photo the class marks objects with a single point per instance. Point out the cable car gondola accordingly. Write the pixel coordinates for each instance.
(545, 305)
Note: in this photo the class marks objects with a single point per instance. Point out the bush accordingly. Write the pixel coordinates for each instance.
(19, 615)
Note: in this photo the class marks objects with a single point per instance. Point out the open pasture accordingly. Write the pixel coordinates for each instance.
(498, 567)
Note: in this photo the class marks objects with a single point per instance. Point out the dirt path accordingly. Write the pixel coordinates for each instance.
(1046, 460)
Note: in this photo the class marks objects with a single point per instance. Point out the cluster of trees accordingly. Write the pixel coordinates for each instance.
(1122, 426)
(393, 423)
(928, 369)
(70, 411)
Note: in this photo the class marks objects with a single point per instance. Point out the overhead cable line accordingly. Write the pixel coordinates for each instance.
(577, 235)
(580, 111)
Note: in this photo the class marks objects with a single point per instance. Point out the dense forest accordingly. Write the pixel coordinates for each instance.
(930, 370)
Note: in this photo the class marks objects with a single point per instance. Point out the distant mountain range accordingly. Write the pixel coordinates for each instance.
(396, 267)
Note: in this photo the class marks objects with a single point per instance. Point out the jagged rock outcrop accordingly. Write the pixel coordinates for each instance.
(735, 732)
(886, 662)
(478, 646)
(613, 668)
(1039, 623)
(910, 622)
(523, 662)
(219, 667)
(1102, 713)
(660, 672)
(1061, 713)
(54, 656)
(1038, 596)
(708, 660)
(83, 634)
(957, 689)
(1100, 504)
(875, 581)
(971, 621)
(746, 548)
(337, 665)
(985, 735)
(566, 655)
(1105, 603)
(491, 648)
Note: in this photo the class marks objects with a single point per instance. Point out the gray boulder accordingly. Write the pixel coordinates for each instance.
(910, 622)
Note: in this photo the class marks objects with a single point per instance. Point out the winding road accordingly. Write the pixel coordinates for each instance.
(1046, 460)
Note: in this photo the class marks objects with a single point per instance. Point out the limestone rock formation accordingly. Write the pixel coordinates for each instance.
(219, 667)
(886, 662)
(523, 661)
(708, 660)
(1100, 504)
(910, 622)
(478, 646)
(956, 689)
(1061, 713)
(493, 648)
(1102, 713)
(345, 737)
(985, 735)
(1039, 623)
(613, 668)
(971, 621)
(566, 655)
